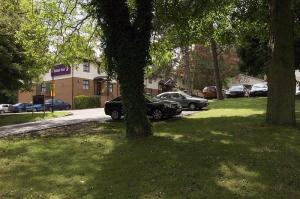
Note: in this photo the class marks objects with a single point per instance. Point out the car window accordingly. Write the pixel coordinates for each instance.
(185, 95)
(176, 96)
(164, 96)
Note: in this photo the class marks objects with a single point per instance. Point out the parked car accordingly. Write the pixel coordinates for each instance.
(35, 108)
(210, 92)
(237, 91)
(20, 107)
(157, 109)
(184, 99)
(5, 108)
(57, 105)
(259, 90)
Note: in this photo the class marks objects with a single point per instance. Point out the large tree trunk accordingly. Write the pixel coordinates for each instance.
(217, 77)
(281, 76)
(132, 90)
(187, 70)
(126, 41)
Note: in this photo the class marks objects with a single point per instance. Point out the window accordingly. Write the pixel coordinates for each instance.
(164, 96)
(43, 88)
(86, 84)
(86, 67)
(110, 87)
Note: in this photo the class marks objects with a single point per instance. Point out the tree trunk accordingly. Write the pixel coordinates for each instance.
(187, 70)
(281, 76)
(132, 91)
(217, 77)
(126, 40)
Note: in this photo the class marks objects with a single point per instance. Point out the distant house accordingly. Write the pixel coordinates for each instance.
(245, 80)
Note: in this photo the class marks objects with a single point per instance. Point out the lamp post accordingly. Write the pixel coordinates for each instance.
(52, 89)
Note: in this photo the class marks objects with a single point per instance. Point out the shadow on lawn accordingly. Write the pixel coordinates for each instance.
(233, 157)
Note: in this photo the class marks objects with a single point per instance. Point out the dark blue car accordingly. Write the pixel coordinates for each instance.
(20, 107)
(35, 108)
(57, 105)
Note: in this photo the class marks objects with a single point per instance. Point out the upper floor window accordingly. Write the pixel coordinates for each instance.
(86, 67)
(85, 84)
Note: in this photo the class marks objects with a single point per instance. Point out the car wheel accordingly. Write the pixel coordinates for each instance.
(68, 107)
(157, 114)
(1, 112)
(192, 106)
(35, 110)
(115, 115)
(50, 109)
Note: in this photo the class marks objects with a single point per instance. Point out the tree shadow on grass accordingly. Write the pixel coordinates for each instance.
(228, 157)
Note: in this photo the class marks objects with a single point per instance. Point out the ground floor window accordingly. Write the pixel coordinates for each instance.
(86, 84)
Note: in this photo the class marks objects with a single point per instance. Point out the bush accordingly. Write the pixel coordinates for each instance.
(82, 102)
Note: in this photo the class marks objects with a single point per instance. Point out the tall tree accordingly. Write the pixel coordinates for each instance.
(126, 39)
(281, 75)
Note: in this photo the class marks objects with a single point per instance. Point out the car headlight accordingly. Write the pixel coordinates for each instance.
(168, 105)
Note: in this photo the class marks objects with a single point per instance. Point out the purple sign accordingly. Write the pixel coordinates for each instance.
(60, 70)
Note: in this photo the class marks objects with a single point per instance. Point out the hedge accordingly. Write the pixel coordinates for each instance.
(83, 102)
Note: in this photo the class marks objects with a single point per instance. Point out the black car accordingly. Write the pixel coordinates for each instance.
(156, 108)
(237, 91)
(259, 90)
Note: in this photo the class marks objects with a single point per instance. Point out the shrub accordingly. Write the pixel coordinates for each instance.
(82, 102)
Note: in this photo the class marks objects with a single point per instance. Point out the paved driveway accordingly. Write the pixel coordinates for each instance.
(78, 116)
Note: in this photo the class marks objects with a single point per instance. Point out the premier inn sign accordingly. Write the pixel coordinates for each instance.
(60, 69)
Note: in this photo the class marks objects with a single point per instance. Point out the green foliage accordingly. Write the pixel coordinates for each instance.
(14, 64)
(255, 56)
(83, 102)
(37, 34)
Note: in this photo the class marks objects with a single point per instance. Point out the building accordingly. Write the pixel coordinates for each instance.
(85, 79)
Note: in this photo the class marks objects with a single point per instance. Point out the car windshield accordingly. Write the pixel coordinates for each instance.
(18, 104)
(259, 86)
(151, 99)
(236, 88)
(185, 95)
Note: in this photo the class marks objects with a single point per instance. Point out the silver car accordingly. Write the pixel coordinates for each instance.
(5, 108)
(186, 101)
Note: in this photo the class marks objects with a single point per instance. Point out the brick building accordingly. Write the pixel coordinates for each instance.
(85, 79)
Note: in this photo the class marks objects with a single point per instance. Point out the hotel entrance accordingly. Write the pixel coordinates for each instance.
(105, 90)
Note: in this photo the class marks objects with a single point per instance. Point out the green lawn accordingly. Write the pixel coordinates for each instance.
(28, 117)
(224, 152)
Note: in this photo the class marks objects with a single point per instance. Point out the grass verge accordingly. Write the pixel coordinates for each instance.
(225, 152)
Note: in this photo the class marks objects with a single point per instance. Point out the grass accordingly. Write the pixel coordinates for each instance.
(28, 117)
(224, 152)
